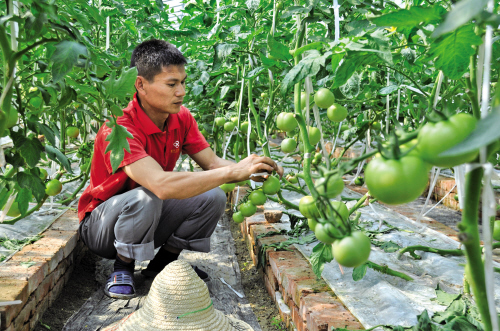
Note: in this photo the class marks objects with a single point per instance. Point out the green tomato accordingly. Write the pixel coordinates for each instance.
(257, 197)
(288, 145)
(254, 136)
(324, 98)
(271, 186)
(247, 209)
(353, 250)
(43, 174)
(303, 99)
(234, 120)
(435, 138)
(396, 181)
(228, 187)
(307, 207)
(359, 181)
(264, 95)
(244, 127)
(286, 122)
(336, 113)
(12, 119)
(368, 95)
(376, 126)
(314, 135)
(341, 209)
(496, 230)
(344, 127)
(292, 179)
(238, 217)
(220, 121)
(312, 224)
(229, 126)
(321, 232)
(333, 187)
(274, 136)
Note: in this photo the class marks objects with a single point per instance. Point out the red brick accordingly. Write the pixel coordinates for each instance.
(282, 260)
(273, 216)
(256, 219)
(25, 314)
(322, 312)
(299, 322)
(12, 289)
(67, 222)
(34, 275)
(44, 288)
(268, 241)
(40, 309)
(284, 310)
(269, 287)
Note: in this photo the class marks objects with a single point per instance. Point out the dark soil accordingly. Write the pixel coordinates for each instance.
(255, 290)
(81, 286)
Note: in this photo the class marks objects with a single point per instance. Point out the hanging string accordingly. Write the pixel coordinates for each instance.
(337, 19)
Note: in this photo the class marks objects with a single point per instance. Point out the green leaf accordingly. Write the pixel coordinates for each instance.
(423, 322)
(222, 51)
(254, 73)
(277, 49)
(27, 264)
(65, 57)
(321, 254)
(23, 199)
(390, 247)
(123, 87)
(115, 110)
(359, 272)
(159, 3)
(56, 155)
(205, 77)
(408, 17)
(352, 87)
(223, 91)
(315, 45)
(29, 148)
(444, 298)
(485, 133)
(453, 51)
(461, 13)
(294, 10)
(32, 183)
(117, 144)
(308, 66)
(388, 89)
(353, 62)
(457, 308)
(460, 323)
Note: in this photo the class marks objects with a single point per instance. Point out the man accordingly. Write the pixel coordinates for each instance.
(144, 205)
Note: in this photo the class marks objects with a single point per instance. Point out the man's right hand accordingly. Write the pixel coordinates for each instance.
(251, 165)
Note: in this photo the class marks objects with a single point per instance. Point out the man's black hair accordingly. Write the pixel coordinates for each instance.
(151, 56)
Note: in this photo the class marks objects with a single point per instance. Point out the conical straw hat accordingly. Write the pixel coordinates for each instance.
(178, 300)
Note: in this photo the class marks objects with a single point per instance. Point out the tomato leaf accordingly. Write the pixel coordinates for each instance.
(32, 183)
(308, 66)
(56, 155)
(29, 148)
(321, 254)
(117, 144)
(485, 133)
(254, 73)
(123, 87)
(452, 52)
(445, 298)
(23, 199)
(359, 272)
(461, 13)
(65, 57)
(353, 62)
(223, 91)
(388, 90)
(294, 10)
(222, 51)
(277, 49)
(408, 17)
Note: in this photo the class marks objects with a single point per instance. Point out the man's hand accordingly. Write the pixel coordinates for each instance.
(252, 165)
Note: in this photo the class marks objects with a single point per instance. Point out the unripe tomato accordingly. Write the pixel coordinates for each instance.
(336, 113)
(312, 224)
(376, 126)
(257, 198)
(229, 126)
(244, 127)
(333, 187)
(14, 210)
(72, 131)
(292, 179)
(220, 121)
(341, 209)
(359, 181)
(288, 145)
(435, 138)
(307, 207)
(274, 136)
(396, 181)
(254, 136)
(314, 135)
(264, 95)
(353, 250)
(227, 187)
(496, 231)
(12, 119)
(238, 217)
(321, 232)
(303, 99)
(234, 120)
(53, 187)
(43, 174)
(286, 122)
(247, 209)
(271, 186)
(324, 98)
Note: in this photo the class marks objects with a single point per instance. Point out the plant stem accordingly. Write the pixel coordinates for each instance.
(251, 105)
(388, 271)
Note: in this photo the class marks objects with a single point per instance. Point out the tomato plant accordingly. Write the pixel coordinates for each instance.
(247, 209)
(331, 187)
(352, 250)
(336, 113)
(238, 217)
(257, 197)
(271, 186)
(288, 145)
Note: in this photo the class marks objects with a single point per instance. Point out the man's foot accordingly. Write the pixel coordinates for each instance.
(160, 261)
(120, 285)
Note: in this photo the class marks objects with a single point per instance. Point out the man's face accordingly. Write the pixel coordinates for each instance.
(165, 93)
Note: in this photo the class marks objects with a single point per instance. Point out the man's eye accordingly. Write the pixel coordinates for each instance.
(171, 85)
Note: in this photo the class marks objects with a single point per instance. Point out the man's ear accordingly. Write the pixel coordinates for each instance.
(139, 84)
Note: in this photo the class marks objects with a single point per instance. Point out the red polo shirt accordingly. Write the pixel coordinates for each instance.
(181, 134)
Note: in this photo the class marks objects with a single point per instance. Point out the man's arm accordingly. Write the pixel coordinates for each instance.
(208, 160)
(181, 185)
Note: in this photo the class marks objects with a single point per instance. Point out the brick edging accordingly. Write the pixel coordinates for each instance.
(39, 285)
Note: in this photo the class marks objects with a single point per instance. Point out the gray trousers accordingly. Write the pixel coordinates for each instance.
(136, 222)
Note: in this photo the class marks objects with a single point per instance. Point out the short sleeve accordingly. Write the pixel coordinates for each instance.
(194, 141)
(137, 149)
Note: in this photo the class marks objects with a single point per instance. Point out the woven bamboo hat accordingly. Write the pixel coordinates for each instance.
(178, 300)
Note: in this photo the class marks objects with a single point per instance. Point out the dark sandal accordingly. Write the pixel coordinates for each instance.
(120, 278)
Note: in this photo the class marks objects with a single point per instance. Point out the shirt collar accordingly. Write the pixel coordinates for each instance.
(147, 124)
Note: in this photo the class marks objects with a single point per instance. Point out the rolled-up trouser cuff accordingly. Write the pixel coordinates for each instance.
(197, 245)
(139, 252)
